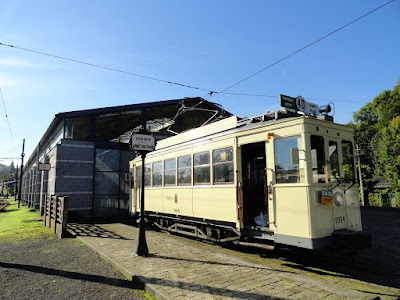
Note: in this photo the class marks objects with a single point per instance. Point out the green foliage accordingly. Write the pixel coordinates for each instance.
(396, 199)
(377, 132)
(374, 199)
(387, 153)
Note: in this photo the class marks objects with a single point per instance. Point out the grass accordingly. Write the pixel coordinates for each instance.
(17, 224)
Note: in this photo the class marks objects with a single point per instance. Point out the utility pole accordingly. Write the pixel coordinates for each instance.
(360, 175)
(16, 184)
(22, 170)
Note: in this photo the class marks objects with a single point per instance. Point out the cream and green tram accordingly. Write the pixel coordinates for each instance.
(269, 181)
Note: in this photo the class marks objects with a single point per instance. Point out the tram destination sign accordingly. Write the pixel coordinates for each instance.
(143, 142)
(300, 104)
(288, 102)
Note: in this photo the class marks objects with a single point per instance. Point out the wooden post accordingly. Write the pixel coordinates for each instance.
(45, 210)
(55, 211)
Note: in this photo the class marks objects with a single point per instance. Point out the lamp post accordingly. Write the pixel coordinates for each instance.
(142, 143)
(142, 249)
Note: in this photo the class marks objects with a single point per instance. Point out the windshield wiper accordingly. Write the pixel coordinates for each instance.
(351, 186)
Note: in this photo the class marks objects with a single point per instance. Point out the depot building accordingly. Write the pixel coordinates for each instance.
(88, 152)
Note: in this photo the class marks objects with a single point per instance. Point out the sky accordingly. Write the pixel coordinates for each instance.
(206, 44)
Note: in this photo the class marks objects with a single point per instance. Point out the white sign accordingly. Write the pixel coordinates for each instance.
(44, 167)
(143, 142)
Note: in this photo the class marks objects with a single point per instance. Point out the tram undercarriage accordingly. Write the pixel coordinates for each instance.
(217, 233)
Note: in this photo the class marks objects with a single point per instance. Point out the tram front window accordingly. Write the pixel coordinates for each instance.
(334, 161)
(319, 174)
(348, 161)
(286, 169)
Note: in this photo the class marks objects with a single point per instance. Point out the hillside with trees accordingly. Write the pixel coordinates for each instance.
(3, 168)
(7, 173)
(377, 133)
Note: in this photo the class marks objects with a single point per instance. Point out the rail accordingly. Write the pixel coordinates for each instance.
(56, 214)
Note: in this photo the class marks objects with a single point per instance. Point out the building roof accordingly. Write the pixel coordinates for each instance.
(109, 124)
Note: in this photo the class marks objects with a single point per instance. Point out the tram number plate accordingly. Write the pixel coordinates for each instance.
(326, 197)
(339, 219)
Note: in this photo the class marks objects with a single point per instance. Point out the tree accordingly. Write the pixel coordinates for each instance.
(377, 132)
(387, 153)
(11, 169)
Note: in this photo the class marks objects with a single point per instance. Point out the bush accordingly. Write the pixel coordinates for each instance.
(396, 199)
(374, 199)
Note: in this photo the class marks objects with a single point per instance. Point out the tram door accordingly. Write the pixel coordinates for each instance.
(255, 210)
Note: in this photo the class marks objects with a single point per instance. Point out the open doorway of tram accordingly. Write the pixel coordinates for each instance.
(255, 204)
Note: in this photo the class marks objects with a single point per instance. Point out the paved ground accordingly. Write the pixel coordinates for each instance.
(181, 268)
(385, 252)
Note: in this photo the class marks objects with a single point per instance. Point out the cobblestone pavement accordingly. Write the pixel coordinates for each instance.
(181, 268)
(385, 251)
(383, 258)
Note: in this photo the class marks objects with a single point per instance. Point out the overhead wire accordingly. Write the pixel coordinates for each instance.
(5, 154)
(210, 93)
(277, 96)
(214, 93)
(104, 67)
(8, 122)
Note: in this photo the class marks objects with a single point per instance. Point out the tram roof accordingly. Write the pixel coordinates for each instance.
(235, 122)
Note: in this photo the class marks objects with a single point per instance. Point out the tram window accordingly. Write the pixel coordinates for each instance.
(334, 160)
(318, 159)
(285, 170)
(157, 173)
(184, 170)
(147, 175)
(223, 165)
(201, 168)
(348, 161)
(170, 172)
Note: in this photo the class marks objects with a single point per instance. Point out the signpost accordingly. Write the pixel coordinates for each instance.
(44, 167)
(143, 144)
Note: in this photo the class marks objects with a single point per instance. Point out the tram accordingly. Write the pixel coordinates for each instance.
(280, 179)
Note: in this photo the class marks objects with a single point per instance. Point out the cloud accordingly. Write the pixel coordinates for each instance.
(9, 81)
(10, 62)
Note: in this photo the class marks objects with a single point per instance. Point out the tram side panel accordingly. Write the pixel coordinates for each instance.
(178, 201)
(215, 203)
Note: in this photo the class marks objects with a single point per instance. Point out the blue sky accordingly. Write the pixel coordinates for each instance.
(207, 44)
